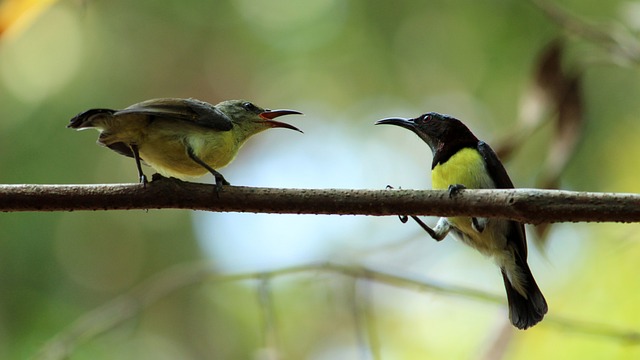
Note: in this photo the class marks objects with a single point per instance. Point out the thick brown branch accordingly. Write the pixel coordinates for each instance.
(526, 205)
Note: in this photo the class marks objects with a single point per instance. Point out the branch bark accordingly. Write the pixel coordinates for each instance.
(525, 205)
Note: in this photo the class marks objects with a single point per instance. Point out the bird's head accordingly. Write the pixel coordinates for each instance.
(252, 119)
(435, 129)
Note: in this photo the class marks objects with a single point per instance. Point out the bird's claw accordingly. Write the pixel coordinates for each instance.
(455, 189)
(220, 182)
(403, 218)
(425, 227)
(144, 181)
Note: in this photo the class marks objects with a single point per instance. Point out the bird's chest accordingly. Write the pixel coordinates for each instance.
(467, 167)
(217, 149)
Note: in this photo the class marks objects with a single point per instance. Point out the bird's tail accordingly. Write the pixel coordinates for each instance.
(525, 310)
(89, 118)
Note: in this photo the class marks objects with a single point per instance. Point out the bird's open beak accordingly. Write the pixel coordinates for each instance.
(269, 115)
(402, 122)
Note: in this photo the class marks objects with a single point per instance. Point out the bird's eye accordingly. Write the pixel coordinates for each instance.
(250, 107)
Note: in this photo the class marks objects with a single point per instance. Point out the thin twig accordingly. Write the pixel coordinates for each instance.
(620, 44)
(125, 307)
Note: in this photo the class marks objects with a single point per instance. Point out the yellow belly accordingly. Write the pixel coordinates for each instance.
(166, 151)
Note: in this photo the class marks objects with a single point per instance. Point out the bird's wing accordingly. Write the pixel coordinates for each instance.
(190, 110)
(494, 167)
(499, 175)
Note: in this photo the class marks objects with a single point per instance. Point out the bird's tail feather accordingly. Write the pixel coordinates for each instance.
(88, 118)
(525, 311)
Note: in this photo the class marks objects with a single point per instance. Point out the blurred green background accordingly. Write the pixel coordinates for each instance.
(345, 64)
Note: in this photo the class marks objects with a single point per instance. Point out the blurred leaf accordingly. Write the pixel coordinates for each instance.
(568, 131)
(552, 95)
(16, 15)
(538, 99)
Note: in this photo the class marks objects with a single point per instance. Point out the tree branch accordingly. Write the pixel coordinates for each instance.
(525, 205)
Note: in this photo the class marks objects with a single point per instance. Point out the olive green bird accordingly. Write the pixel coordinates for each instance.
(461, 161)
(181, 138)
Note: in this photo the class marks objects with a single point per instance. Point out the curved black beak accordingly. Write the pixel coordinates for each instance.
(269, 115)
(402, 122)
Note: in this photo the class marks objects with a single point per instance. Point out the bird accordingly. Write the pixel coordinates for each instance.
(462, 161)
(180, 138)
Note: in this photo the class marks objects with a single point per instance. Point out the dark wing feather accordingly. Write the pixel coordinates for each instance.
(85, 118)
(499, 175)
(494, 167)
(121, 148)
(190, 110)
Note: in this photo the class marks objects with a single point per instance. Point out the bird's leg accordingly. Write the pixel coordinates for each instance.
(136, 156)
(438, 233)
(426, 228)
(220, 180)
(478, 224)
(403, 218)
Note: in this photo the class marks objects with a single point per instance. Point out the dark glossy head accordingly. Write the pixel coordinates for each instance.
(436, 130)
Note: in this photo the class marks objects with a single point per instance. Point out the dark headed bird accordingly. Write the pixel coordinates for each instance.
(182, 138)
(461, 160)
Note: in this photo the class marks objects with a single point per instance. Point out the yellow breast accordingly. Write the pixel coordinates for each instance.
(466, 167)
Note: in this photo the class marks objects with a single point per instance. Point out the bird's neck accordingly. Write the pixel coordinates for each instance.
(242, 133)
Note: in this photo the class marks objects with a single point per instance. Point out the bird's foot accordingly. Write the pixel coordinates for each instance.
(144, 181)
(403, 218)
(425, 227)
(455, 189)
(220, 182)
